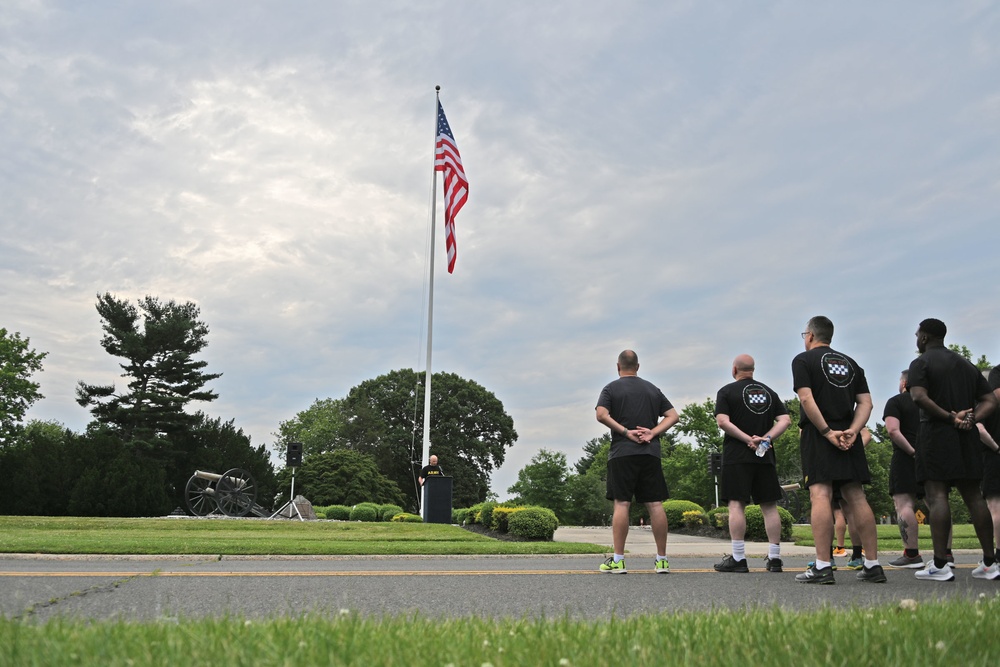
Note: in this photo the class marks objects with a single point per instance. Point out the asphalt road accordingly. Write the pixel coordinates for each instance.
(157, 588)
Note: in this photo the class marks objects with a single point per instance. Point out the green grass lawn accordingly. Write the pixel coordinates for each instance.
(927, 634)
(963, 537)
(75, 535)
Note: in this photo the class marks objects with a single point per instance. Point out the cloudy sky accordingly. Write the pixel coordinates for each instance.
(691, 180)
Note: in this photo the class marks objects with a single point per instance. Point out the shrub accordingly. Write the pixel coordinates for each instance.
(534, 523)
(485, 515)
(675, 510)
(473, 514)
(501, 516)
(364, 512)
(405, 517)
(338, 512)
(718, 517)
(320, 515)
(387, 512)
(694, 519)
(458, 517)
(755, 524)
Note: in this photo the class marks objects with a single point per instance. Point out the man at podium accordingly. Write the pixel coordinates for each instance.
(432, 469)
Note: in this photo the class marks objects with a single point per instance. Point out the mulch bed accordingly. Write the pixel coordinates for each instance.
(506, 537)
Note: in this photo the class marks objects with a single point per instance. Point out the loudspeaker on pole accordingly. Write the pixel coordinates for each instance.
(293, 457)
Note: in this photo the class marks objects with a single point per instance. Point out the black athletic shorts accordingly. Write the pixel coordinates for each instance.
(991, 474)
(903, 475)
(640, 476)
(947, 454)
(743, 481)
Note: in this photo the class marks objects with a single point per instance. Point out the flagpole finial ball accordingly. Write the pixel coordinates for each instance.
(437, 88)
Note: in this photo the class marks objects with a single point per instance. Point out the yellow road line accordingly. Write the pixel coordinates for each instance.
(334, 573)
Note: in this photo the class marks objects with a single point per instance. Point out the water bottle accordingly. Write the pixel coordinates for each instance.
(764, 445)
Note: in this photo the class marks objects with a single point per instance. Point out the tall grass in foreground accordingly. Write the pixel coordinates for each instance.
(947, 633)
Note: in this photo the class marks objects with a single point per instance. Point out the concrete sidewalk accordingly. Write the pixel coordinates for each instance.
(640, 542)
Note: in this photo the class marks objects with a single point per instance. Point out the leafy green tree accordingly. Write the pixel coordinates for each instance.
(587, 505)
(18, 362)
(158, 342)
(37, 471)
(342, 477)
(543, 482)
(982, 363)
(383, 417)
(590, 453)
(318, 428)
(697, 421)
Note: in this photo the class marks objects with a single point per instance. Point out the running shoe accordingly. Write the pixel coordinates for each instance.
(833, 564)
(614, 568)
(908, 562)
(814, 576)
(931, 573)
(949, 561)
(840, 551)
(983, 572)
(855, 563)
(662, 566)
(773, 564)
(730, 564)
(874, 574)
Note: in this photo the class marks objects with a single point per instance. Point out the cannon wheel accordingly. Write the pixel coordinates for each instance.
(236, 492)
(199, 496)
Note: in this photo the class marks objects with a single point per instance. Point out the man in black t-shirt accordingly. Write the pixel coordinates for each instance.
(432, 469)
(952, 396)
(750, 413)
(836, 405)
(637, 414)
(989, 433)
(902, 421)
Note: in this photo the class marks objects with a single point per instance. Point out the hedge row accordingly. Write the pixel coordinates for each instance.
(361, 512)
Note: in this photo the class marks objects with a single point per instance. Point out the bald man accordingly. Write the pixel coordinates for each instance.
(750, 413)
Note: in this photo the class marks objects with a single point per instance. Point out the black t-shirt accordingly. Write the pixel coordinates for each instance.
(951, 380)
(752, 407)
(835, 380)
(633, 402)
(902, 407)
(430, 471)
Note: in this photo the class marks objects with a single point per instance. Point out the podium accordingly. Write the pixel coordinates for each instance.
(437, 499)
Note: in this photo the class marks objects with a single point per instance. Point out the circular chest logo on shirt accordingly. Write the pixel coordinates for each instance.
(756, 398)
(838, 370)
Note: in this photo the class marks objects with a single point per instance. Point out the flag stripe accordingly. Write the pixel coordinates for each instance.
(456, 187)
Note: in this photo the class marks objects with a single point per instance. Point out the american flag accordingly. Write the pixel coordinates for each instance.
(456, 186)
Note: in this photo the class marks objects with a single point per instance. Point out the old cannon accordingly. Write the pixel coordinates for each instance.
(233, 493)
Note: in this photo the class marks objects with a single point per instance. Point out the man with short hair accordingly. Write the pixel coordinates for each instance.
(750, 413)
(836, 405)
(952, 396)
(637, 413)
(902, 421)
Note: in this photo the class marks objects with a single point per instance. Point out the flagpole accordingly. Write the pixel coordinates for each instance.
(425, 457)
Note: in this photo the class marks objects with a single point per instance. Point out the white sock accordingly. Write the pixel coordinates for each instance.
(869, 564)
(739, 550)
(774, 551)
(619, 557)
(659, 557)
(822, 564)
